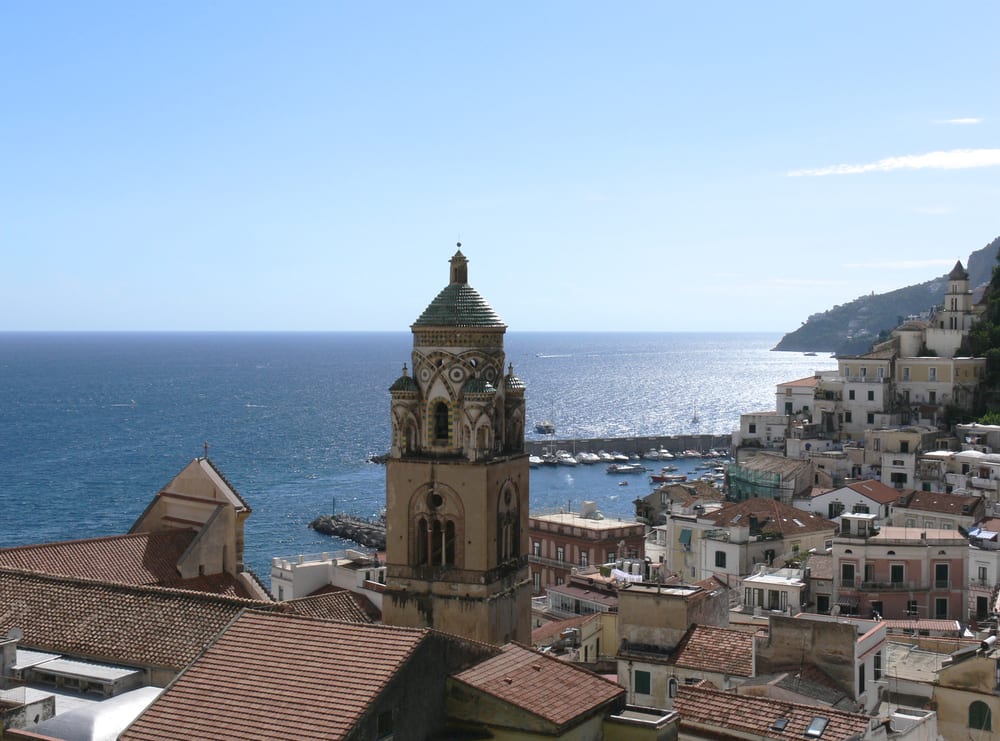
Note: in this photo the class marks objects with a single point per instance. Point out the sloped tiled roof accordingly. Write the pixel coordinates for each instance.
(755, 716)
(280, 676)
(554, 690)
(772, 516)
(335, 604)
(941, 503)
(142, 558)
(118, 623)
(712, 649)
(807, 382)
(875, 490)
(543, 632)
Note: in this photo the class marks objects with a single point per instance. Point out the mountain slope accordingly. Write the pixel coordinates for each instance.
(851, 328)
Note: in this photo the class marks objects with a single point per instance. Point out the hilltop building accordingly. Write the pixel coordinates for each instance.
(457, 476)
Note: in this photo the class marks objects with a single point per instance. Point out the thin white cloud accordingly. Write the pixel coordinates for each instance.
(934, 210)
(956, 159)
(902, 264)
(960, 121)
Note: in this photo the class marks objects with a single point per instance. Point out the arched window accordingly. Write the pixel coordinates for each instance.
(421, 541)
(441, 423)
(437, 543)
(449, 543)
(979, 716)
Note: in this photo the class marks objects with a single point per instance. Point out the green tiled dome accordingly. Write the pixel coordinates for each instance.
(459, 304)
(512, 382)
(478, 386)
(404, 383)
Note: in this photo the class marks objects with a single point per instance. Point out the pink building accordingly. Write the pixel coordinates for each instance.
(899, 572)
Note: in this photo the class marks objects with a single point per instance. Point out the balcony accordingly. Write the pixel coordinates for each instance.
(979, 483)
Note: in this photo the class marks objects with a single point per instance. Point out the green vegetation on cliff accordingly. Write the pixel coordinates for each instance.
(852, 328)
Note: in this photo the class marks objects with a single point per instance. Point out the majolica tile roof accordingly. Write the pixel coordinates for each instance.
(274, 676)
(714, 649)
(553, 690)
(116, 623)
(478, 386)
(459, 305)
(142, 558)
(759, 716)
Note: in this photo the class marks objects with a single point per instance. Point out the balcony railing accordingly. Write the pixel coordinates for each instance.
(896, 586)
(551, 562)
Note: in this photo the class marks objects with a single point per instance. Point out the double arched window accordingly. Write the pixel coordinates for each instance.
(436, 536)
(508, 524)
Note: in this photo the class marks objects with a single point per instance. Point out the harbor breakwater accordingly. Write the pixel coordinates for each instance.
(628, 445)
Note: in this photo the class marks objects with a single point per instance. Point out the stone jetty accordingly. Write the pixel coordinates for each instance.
(369, 533)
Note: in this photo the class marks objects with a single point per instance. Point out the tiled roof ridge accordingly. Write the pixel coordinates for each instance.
(138, 588)
(228, 483)
(98, 539)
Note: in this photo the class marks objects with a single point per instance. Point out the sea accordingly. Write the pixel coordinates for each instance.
(92, 425)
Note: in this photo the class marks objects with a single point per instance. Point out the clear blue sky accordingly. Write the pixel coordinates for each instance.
(610, 166)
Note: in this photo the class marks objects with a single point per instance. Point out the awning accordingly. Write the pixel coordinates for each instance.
(848, 601)
(686, 536)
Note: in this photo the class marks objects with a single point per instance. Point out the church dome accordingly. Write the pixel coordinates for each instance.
(459, 304)
(404, 383)
(512, 382)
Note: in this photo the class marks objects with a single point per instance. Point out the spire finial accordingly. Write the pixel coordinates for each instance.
(206, 450)
(459, 267)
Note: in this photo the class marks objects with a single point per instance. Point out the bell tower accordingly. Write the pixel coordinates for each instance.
(457, 476)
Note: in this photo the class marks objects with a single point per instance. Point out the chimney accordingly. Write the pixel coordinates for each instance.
(8, 651)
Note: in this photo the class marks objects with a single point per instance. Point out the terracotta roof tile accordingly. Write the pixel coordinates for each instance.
(118, 623)
(808, 382)
(875, 490)
(551, 689)
(715, 649)
(337, 604)
(749, 715)
(554, 627)
(941, 503)
(772, 516)
(142, 558)
(280, 676)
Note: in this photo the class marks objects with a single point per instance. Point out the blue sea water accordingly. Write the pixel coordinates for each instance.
(92, 425)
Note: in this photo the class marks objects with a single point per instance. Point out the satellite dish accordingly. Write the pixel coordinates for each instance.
(15, 634)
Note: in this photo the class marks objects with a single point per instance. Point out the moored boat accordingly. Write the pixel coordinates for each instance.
(626, 468)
